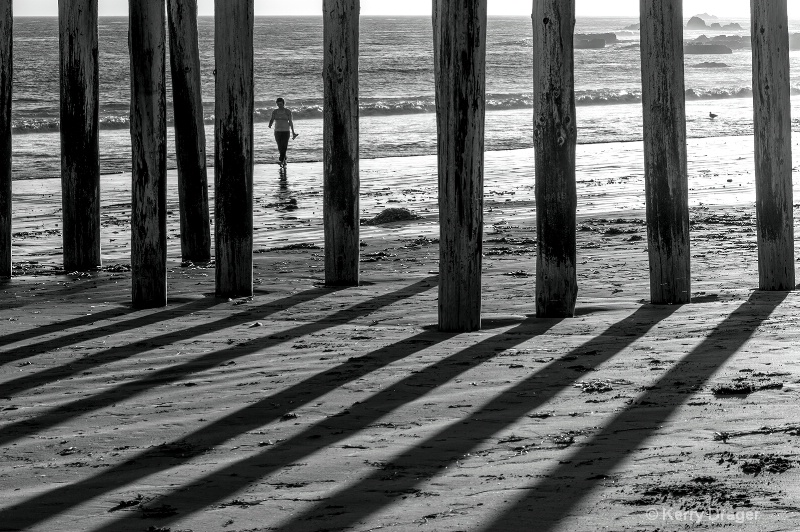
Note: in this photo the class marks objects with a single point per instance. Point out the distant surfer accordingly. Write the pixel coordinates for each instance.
(712, 116)
(282, 117)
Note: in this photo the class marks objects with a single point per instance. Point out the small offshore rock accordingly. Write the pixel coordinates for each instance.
(392, 214)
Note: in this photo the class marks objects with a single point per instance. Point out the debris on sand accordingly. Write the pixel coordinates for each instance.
(724, 436)
(289, 247)
(736, 388)
(506, 250)
(743, 387)
(118, 268)
(595, 386)
(769, 463)
(700, 494)
(755, 464)
(240, 503)
(146, 512)
(377, 256)
(389, 215)
(420, 241)
(512, 241)
(151, 512)
(127, 504)
(564, 440)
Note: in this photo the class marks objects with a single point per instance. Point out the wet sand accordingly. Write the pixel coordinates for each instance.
(312, 408)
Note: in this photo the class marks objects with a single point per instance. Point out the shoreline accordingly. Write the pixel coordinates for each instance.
(382, 136)
(609, 180)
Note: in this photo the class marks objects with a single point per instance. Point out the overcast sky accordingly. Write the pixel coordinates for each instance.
(721, 8)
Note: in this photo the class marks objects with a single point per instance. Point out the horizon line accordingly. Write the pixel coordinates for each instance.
(404, 16)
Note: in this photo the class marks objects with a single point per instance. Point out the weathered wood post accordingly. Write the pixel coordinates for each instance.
(340, 141)
(233, 171)
(666, 175)
(773, 144)
(459, 50)
(554, 139)
(147, 42)
(190, 137)
(6, 76)
(80, 148)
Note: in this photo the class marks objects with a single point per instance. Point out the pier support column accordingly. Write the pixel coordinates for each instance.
(665, 169)
(147, 44)
(80, 151)
(340, 141)
(773, 144)
(459, 50)
(6, 76)
(554, 139)
(190, 136)
(233, 171)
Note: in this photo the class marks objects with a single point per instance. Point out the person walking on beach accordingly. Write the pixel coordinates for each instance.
(282, 117)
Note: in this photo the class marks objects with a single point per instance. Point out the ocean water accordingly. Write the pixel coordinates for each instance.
(396, 88)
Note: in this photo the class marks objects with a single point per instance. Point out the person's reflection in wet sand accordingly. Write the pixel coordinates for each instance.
(284, 194)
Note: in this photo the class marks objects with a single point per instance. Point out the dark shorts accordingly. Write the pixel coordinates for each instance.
(282, 138)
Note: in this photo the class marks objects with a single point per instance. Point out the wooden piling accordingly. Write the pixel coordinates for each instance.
(773, 144)
(233, 171)
(459, 34)
(666, 175)
(147, 42)
(6, 76)
(554, 139)
(80, 151)
(190, 138)
(340, 141)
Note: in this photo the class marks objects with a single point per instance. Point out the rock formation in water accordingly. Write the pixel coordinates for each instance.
(695, 49)
(698, 22)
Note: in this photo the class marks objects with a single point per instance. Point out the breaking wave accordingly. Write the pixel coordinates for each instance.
(113, 119)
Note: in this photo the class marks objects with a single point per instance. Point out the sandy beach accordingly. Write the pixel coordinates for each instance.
(308, 408)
